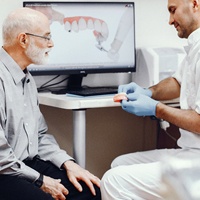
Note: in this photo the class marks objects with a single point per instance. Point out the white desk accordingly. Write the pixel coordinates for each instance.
(79, 106)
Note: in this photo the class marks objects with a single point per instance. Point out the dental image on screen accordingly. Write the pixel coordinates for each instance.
(89, 35)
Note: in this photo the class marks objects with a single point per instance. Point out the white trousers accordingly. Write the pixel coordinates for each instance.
(137, 176)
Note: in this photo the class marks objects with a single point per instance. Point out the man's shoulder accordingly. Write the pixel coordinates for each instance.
(3, 69)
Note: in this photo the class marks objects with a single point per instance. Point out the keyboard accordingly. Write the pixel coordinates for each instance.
(90, 91)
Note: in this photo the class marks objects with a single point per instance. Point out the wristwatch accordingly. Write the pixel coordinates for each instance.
(39, 181)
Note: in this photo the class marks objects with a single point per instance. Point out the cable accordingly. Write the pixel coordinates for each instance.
(173, 138)
(49, 81)
(49, 87)
(164, 125)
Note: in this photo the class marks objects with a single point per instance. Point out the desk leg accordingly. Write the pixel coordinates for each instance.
(79, 136)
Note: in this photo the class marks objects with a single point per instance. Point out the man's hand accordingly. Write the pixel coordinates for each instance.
(76, 173)
(140, 105)
(54, 187)
(134, 88)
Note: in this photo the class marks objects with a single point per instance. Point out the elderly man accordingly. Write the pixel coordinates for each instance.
(32, 166)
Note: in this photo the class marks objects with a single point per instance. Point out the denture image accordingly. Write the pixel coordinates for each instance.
(80, 23)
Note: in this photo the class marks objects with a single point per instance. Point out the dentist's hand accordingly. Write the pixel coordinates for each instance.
(134, 88)
(140, 105)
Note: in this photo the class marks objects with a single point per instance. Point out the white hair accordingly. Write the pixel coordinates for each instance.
(21, 20)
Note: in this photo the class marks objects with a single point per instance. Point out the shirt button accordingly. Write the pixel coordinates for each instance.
(30, 143)
(25, 105)
(26, 124)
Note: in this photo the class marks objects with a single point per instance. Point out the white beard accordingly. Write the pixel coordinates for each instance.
(36, 55)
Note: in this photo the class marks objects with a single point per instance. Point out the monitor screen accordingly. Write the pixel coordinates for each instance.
(88, 37)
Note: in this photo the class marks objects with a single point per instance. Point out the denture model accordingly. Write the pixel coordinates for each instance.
(119, 97)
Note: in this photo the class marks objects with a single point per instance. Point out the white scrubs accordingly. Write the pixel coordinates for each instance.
(137, 176)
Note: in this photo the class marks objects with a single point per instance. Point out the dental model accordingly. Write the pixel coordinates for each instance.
(79, 23)
(119, 97)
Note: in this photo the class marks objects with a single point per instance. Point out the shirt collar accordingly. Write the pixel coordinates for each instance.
(14, 69)
(194, 37)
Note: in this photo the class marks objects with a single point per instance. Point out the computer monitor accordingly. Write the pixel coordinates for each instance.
(89, 38)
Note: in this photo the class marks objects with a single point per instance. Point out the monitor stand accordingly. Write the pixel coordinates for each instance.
(74, 83)
(74, 86)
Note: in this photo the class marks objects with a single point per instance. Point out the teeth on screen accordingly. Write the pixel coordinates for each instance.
(67, 26)
(82, 23)
(75, 27)
(97, 25)
(104, 30)
(90, 24)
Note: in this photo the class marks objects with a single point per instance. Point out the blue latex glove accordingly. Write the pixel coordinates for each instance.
(134, 88)
(140, 105)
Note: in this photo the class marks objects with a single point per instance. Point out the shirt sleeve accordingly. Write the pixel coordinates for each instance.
(179, 72)
(197, 82)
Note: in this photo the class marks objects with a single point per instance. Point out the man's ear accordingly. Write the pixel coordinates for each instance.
(22, 39)
(195, 4)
